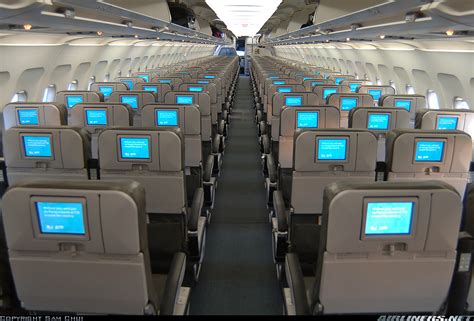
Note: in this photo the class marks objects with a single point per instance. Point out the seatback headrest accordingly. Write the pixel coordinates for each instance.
(187, 118)
(33, 115)
(379, 120)
(307, 117)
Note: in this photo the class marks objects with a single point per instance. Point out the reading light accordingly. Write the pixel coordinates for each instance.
(449, 32)
(99, 33)
(68, 13)
(27, 26)
(348, 39)
(382, 36)
(136, 36)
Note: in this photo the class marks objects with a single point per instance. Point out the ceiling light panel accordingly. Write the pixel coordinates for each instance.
(244, 17)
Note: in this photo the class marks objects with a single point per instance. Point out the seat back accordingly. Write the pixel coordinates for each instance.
(323, 91)
(136, 99)
(130, 82)
(376, 92)
(151, 156)
(107, 88)
(146, 76)
(174, 82)
(354, 84)
(202, 100)
(158, 89)
(338, 79)
(72, 97)
(63, 237)
(412, 103)
(395, 232)
(273, 89)
(211, 90)
(348, 101)
(95, 117)
(309, 84)
(323, 156)
(413, 155)
(304, 117)
(59, 153)
(186, 118)
(23, 114)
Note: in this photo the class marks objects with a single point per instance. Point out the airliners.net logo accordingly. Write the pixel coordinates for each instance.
(425, 318)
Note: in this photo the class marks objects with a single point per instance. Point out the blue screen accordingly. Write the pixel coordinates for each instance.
(293, 101)
(285, 90)
(195, 89)
(273, 77)
(429, 151)
(61, 218)
(378, 121)
(164, 81)
(332, 149)
(72, 100)
(307, 78)
(307, 119)
(145, 77)
(166, 117)
(106, 90)
(131, 100)
(135, 148)
(28, 116)
(209, 77)
(388, 218)
(128, 83)
(347, 103)
(338, 80)
(328, 91)
(317, 73)
(204, 82)
(354, 87)
(184, 100)
(37, 146)
(151, 88)
(376, 93)
(315, 83)
(405, 104)
(279, 82)
(96, 117)
(447, 123)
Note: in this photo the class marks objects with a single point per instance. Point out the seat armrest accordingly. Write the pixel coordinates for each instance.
(272, 169)
(280, 211)
(208, 169)
(216, 144)
(196, 208)
(294, 276)
(266, 147)
(173, 284)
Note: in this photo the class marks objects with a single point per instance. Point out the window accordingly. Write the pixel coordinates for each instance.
(432, 99)
(107, 77)
(49, 94)
(409, 90)
(73, 85)
(378, 81)
(356, 76)
(460, 103)
(20, 96)
(90, 82)
(391, 83)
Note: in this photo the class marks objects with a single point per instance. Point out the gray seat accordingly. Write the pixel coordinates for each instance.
(413, 155)
(380, 122)
(376, 92)
(155, 158)
(412, 103)
(136, 99)
(59, 153)
(130, 82)
(107, 88)
(159, 89)
(376, 237)
(346, 102)
(82, 247)
(324, 91)
(70, 98)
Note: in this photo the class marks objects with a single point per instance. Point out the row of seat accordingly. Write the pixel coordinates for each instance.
(121, 193)
(306, 146)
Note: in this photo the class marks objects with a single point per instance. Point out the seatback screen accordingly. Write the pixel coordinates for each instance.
(37, 146)
(184, 100)
(164, 81)
(285, 90)
(403, 103)
(332, 149)
(294, 101)
(338, 80)
(96, 117)
(378, 121)
(329, 91)
(347, 103)
(128, 83)
(429, 151)
(315, 83)
(354, 86)
(307, 119)
(447, 123)
(209, 77)
(61, 218)
(144, 77)
(166, 117)
(203, 82)
(388, 218)
(279, 82)
(135, 147)
(28, 116)
(151, 88)
(131, 100)
(106, 90)
(375, 93)
(198, 89)
(306, 78)
(72, 100)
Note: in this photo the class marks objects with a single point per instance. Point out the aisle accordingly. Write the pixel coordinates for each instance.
(238, 274)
